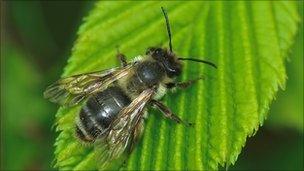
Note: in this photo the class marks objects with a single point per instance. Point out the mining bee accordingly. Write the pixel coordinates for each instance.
(112, 116)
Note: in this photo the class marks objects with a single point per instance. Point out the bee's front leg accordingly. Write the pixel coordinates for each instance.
(183, 85)
(168, 113)
(122, 58)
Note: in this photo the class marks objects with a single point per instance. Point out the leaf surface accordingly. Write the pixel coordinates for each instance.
(248, 41)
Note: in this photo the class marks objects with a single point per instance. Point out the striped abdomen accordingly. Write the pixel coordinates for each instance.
(99, 111)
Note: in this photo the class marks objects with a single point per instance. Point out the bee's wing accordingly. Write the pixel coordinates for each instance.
(124, 130)
(72, 90)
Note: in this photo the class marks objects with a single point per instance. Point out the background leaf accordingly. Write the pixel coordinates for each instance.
(249, 41)
(25, 121)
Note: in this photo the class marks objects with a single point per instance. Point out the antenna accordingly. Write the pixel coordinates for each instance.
(168, 27)
(170, 42)
(198, 60)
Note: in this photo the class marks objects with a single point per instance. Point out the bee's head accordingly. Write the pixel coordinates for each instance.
(170, 62)
(167, 59)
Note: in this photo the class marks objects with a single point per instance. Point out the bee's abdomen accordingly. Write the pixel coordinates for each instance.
(99, 111)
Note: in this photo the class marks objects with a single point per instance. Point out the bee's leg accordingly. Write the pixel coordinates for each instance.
(168, 113)
(122, 58)
(183, 85)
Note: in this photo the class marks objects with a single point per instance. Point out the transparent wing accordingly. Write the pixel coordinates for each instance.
(72, 90)
(123, 132)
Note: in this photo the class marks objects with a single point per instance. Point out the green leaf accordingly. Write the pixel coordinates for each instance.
(249, 42)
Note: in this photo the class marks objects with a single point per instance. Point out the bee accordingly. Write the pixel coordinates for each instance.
(114, 101)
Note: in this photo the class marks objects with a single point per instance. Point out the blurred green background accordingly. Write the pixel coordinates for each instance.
(36, 39)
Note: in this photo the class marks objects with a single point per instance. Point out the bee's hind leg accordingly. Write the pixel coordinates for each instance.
(121, 57)
(168, 113)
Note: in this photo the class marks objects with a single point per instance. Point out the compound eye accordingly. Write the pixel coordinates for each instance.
(172, 68)
(158, 53)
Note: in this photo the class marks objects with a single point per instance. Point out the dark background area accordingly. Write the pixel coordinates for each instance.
(36, 41)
